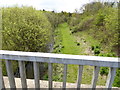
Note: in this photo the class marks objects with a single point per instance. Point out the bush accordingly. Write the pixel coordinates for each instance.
(25, 29)
(111, 54)
(92, 47)
(104, 71)
(100, 19)
(96, 49)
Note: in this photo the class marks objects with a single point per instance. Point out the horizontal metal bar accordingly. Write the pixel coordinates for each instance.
(60, 58)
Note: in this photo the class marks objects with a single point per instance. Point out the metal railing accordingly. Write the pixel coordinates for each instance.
(50, 58)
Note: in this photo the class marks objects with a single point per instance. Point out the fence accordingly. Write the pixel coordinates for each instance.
(50, 58)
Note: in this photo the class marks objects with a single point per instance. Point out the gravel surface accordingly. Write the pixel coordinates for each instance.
(44, 84)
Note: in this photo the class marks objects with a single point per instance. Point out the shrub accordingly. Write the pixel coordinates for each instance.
(97, 51)
(104, 70)
(98, 47)
(100, 19)
(25, 29)
(111, 54)
(92, 47)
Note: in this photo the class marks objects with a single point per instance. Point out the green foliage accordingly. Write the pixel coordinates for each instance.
(57, 72)
(117, 79)
(84, 24)
(45, 77)
(92, 8)
(99, 23)
(25, 29)
(92, 47)
(96, 49)
(67, 41)
(104, 71)
(53, 18)
(110, 54)
(100, 19)
(58, 41)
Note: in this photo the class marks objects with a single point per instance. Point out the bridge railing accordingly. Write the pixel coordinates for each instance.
(50, 58)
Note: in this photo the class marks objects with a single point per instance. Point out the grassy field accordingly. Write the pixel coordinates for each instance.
(69, 43)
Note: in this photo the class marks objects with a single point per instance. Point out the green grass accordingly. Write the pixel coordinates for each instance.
(68, 40)
(87, 36)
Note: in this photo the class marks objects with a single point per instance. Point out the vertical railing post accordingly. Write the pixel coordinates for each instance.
(1, 77)
(50, 75)
(95, 76)
(36, 74)
(111, 75)
(23, 74)
(80, 70)
(10, 73)
(64, 76)
(3, 85)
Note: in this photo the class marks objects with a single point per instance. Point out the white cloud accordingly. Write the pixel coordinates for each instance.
(58, 5)
(19, 2)
(71, 5)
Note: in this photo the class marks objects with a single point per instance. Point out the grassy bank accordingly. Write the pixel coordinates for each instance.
(68, 43)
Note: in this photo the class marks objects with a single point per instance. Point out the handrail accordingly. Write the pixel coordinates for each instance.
(36, 57)
(60, 58)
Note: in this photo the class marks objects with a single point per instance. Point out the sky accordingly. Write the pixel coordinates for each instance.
(56, 5)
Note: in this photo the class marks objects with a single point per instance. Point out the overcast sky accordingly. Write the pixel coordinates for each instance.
(57, 5)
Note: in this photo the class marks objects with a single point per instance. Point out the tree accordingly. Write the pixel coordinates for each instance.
(25, 29)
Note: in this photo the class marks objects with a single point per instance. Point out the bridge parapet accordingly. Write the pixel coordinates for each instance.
(50, 58)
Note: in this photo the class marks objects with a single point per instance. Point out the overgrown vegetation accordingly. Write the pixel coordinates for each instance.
(99, 23)
(95, 31)
(25, 29)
